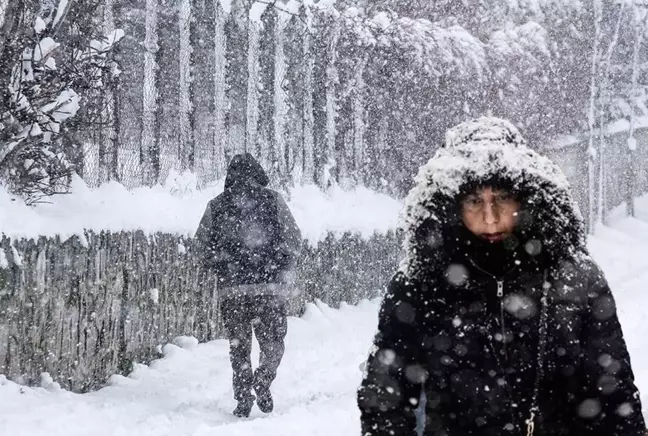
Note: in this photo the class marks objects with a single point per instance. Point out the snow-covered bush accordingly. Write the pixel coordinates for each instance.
(43, 83)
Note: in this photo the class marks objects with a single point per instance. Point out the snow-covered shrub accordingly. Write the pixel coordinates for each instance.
(43, 83)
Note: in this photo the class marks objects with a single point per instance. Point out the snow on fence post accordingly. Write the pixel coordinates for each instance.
(87, 307)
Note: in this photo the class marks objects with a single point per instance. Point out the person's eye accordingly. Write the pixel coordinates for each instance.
(504, 196)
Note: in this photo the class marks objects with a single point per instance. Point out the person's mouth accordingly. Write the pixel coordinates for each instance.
(494, 237)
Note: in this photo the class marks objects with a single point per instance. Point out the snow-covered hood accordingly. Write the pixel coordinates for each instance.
(478, 152)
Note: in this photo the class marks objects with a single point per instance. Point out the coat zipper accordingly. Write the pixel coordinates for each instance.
(530, 422)
(500, 296)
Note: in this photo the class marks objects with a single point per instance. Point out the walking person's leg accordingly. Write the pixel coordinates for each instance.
(270, 328)
(237, 317)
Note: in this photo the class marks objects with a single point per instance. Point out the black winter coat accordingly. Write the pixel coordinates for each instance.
(247, 235)
(465, 330)
(475, 356)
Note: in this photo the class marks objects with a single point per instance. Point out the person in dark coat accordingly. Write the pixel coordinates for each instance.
(498, 315)
(250, 240)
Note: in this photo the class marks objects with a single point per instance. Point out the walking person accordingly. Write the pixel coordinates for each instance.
(498, 314)
(250, 240)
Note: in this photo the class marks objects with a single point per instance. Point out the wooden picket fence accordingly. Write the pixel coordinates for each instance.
(87, 307)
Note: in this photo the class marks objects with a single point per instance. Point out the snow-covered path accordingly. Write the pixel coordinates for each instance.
(188, 392)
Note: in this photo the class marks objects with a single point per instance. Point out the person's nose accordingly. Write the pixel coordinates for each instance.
(491, 213)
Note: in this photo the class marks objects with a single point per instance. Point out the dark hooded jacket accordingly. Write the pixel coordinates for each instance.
(247, 235)
(463, 320)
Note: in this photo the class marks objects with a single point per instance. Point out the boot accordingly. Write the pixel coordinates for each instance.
(264, 399)
(244, 408)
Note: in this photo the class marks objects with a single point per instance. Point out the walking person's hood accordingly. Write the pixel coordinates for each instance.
(244, 170)
(490, 152)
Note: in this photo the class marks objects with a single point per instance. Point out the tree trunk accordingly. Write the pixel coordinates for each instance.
(107, 152)
(237, 81)
(280, 111)
(150, 146)
(187, 145)
(591, 119)
(252, 144)
(631, 171)
(308, 117)
(203, 87)
(358, 123)
(267, 98)
(604, 97)
(130, 57)
(332, 160)
(220, 93)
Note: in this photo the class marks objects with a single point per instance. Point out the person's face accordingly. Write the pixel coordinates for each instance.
(490, 214)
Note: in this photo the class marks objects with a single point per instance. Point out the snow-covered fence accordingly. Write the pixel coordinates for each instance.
(88, 307)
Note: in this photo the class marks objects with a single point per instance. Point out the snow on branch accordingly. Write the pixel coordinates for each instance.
(436, 50)
(43, 83)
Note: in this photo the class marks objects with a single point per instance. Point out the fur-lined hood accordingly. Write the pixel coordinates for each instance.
(480, 152)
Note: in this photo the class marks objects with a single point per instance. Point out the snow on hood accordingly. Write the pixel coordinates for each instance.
(483, 151)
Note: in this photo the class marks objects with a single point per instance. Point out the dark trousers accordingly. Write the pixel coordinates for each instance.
(266, 315)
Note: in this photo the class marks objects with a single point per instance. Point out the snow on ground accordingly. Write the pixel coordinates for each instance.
(178, 205)
(188, 392)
